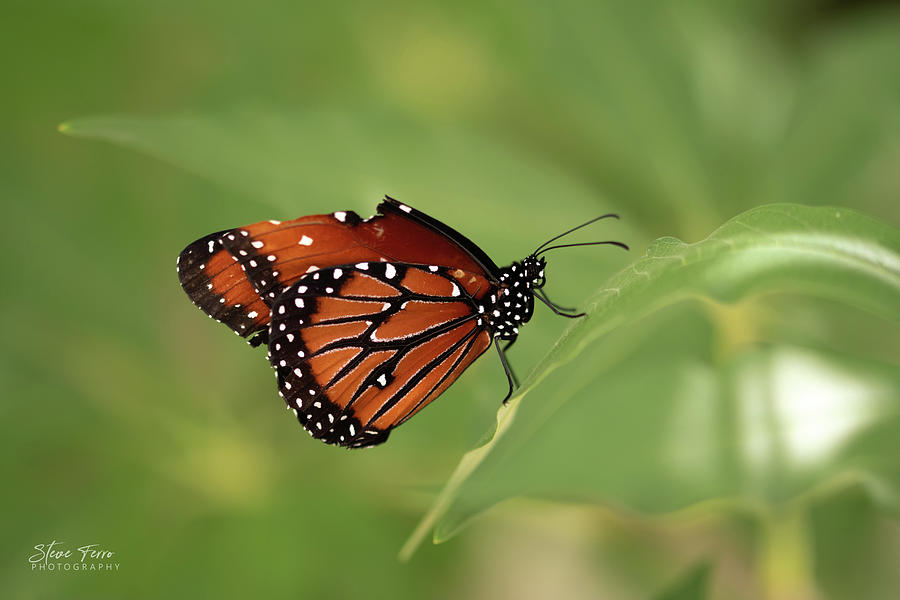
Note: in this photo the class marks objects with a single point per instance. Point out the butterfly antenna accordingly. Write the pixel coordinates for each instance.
(610, 242)
(565, 233)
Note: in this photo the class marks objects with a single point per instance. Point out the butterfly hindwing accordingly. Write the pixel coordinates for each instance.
(360, 348)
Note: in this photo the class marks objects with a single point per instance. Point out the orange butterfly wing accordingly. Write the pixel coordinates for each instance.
(236, 275)
(361, 348)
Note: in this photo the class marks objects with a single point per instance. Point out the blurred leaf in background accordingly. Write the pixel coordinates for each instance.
(722, 425)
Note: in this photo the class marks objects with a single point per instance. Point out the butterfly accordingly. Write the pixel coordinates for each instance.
(367, 321)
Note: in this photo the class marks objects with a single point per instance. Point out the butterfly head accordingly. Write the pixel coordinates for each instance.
(524, 275)
(534, 265)
(534, 271)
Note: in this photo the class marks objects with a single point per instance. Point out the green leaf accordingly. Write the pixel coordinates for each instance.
(690, 113)
(844, 119)
(695, 431)
(315, 159)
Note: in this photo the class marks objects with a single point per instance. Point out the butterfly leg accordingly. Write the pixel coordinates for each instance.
(511, 372)
(510, 377)
(556, 309)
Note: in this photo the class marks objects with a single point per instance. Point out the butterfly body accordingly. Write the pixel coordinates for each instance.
(513, 303)
(366, 320)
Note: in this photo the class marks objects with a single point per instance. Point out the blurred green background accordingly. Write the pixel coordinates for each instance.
(740, 441)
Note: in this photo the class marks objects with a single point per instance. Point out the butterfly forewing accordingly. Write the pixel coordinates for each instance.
(360, 348)
(216, 282)
(236, 275)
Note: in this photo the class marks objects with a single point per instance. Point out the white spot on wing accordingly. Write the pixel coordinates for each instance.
(340, 216)
(305, 241)
(389, 271)
(256, 244)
